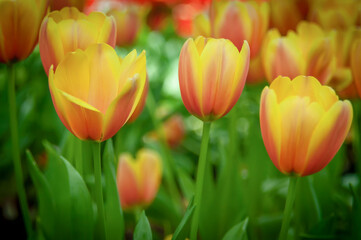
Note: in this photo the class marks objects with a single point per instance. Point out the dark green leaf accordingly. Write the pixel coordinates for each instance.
(182, 230)
(239, 231)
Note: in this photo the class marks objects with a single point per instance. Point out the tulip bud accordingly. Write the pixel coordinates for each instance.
(307, 52)
(95, 92)
(19, 27)
(212, 74)
(138, 180)
(68, 30)
(303, 124)
(128, 24)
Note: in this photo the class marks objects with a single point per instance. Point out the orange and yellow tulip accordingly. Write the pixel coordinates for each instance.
(237, 21)
(356, 64)
(138, 180)
(19, 27)
(68, 30)
(139, 109)
(308, 52)
(128, 22)
(303, 124)
(212, 74)
(95, 92)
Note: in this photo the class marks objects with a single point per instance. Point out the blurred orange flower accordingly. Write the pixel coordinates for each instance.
(59, 4)
(19, 27)
(307, 52)
(212, 74)
(68, 30)
(95, 92)
(356, 64)
(138, 180)
(303, 124)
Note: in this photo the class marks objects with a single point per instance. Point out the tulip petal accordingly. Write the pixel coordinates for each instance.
(270, 122)
(104, 74)
(127, 182)
(328, 137)
(190, 77)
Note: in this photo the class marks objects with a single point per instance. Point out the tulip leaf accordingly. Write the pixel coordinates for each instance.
(143, 231)
(239, 231)
(63, 195)
(114, 215)
(182, 230)
(45, 201)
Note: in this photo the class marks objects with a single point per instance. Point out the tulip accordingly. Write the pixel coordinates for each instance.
(19, 27)
(128, 24)
(173, 131)
(59, 4)
(307, 52)
(334, 14)
(138, 180)
(356, 63)
(237, 21)
(212, 74)
(95, 92)
(68, 30)
(303, 124)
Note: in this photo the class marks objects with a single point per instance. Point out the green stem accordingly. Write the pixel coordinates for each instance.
(202, 164)
(168, 160)
(16, 152)
(99, 188)
(288, 208)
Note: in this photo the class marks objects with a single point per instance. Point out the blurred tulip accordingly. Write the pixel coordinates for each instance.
(334, 14)
(173, 131)
(356, 64)
(307, 52)
(128, 22)
(342, 80)
(95, 92)
(303, 124)
(59, 4)
(138, 110)
(212, 74)
(19, 27)
(138, 180)
(68, 30)
(237, 21)
(286, 15)
(183, 15)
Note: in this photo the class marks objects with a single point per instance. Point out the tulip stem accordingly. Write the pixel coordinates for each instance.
(288, 208)
(16, 152)
(202, 165)
(99, 188)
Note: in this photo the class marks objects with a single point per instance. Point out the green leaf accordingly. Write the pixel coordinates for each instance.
(182, 230)
(239, 231)
(45, 200)
(143, 231)
(114, 225)
(65, 205)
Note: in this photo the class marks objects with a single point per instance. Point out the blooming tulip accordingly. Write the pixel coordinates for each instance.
(138, 180)
(212, 74)
(95, 92)
(307, 52)
(128, 23)
(68, 30)
(303, 124)
(19, 27)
